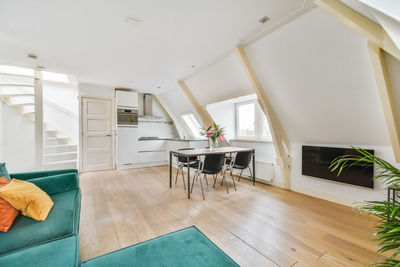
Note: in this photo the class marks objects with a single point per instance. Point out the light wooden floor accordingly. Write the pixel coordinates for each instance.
(256, 226)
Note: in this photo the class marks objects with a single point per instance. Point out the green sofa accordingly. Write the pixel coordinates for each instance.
(53, 242)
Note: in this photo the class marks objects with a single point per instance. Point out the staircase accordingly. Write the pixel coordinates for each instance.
(60, 151)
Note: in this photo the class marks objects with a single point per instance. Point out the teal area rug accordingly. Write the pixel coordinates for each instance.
(186, 247)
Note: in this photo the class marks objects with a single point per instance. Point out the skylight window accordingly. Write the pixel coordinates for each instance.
(55, 77)
(193, 124)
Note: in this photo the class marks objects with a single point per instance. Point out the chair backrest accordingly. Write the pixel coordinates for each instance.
(213, 163)
(183, 159)
(243, 159)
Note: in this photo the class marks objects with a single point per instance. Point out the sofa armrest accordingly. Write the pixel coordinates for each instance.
(32, 175)
(57, 183)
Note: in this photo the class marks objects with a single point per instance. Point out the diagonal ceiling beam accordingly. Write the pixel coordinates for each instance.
(385, 91)
(203, 113)
(361, 24)
(279, 137)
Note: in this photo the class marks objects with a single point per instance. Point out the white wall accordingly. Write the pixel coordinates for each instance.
(318, 77)
(86, 89)
(156, 127)
(224, 115)
(60, 108)
(18, 140)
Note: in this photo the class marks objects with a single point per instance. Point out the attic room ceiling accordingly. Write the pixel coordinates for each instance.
(146, 45)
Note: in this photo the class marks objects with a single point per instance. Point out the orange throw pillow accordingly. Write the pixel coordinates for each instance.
(7, 212)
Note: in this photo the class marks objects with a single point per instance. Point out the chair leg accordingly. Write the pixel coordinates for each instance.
(226, 184)
(241, 171)
(191, 190)
(215, 179)
(205, 176)
(234, 184)
(176, 177)
(202, 191)
(251, 174)
(183, 179)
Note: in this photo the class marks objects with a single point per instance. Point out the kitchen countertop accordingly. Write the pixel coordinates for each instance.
(172, 139)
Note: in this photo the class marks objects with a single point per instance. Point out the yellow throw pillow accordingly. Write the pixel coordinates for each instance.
(28, 198)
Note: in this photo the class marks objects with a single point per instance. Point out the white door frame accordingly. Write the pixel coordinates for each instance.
(113, 129)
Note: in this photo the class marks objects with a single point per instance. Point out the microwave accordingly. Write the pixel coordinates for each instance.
(127, 117)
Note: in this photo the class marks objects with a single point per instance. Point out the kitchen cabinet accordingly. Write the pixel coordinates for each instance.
(127, 99)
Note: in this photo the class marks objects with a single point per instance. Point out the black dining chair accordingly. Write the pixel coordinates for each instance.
(182, 163)
(241, 162)
(212, 165)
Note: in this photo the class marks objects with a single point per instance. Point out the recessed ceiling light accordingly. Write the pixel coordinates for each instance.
(263, 19)
(132, 20)
(32, 56)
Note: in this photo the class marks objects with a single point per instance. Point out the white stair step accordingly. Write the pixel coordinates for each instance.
(15, 85)
(55, 146)
(60, 162)
(21, 104)
(61, 154)
(16, 95)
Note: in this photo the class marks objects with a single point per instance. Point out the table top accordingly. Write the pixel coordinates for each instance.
(206, 151)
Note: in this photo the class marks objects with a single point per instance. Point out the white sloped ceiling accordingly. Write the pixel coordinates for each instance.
(222, 80)
(318, 76)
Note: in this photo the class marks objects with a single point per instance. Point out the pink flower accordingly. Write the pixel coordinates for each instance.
(213, 130)
(208, 134)
(221, 137)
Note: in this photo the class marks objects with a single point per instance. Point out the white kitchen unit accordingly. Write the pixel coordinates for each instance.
(127, 144)
(152, 152)
(127, 99)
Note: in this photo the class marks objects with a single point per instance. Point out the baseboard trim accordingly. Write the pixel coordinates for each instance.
(321, 195)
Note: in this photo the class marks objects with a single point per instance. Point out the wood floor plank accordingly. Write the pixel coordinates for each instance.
(256, 225)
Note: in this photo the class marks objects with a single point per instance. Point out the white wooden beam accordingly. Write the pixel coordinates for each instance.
(385, 91)
(361, 24)
(280, 139)
(179, 127)
(38, 89)
(201, 111)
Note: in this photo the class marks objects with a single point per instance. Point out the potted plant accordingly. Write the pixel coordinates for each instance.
(214, 133)
(387, 233)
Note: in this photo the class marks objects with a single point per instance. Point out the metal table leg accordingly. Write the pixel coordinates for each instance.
(254, 167)
(170, 169)
(188, 174)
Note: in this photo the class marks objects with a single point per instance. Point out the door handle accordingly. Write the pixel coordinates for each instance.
(109, 135)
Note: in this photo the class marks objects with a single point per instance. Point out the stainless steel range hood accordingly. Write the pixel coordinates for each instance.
(147, 105)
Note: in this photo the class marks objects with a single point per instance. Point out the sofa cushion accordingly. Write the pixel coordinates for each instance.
(27, 198)
(4, 172)
(62, 221)
(62, 252)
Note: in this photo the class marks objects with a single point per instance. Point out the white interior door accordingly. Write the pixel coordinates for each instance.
(97, 134)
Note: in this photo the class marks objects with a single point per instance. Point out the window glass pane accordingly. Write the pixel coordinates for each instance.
(193, 124)
(265, 132)
(246, 119)
(55, 77)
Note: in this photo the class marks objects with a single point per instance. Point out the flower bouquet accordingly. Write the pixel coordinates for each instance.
(214, 133)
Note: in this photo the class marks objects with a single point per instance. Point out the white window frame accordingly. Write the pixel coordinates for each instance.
(196, 124)
(258, 122)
